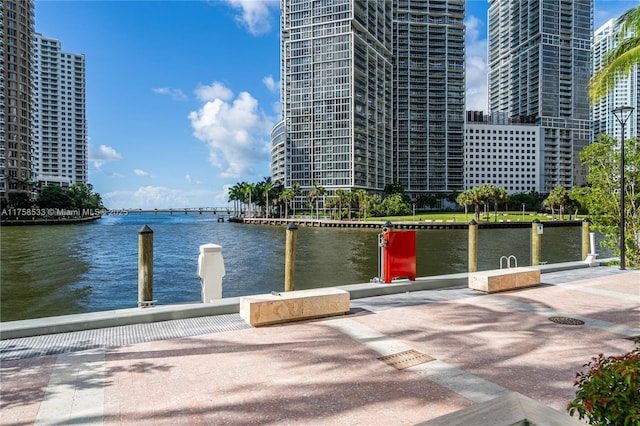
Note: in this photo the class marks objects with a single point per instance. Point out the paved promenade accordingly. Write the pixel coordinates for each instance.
(479, 357)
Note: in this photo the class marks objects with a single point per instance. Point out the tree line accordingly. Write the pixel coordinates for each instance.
(79, 196)
(266, 199)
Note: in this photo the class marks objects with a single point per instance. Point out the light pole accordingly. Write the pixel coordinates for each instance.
(622, 114)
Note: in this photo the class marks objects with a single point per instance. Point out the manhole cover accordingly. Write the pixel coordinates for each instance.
(405, 359)
(566, 320)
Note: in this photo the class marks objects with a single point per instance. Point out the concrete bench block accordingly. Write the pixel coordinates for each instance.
(504, 279)
(264, 309)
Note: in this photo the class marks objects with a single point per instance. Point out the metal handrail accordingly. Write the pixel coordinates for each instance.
(508, 260)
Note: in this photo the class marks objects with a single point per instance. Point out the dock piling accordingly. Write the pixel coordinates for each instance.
(290, 257)
(536, 241)
(473, 246)
(145, 267)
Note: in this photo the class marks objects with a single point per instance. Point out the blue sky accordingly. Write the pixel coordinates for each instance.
(182, 95)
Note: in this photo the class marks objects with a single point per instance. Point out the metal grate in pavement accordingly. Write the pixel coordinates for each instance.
(566, 320)
(52, 344)
(405, 359)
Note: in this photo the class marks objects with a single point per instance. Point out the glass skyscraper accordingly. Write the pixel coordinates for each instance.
(429, 95)
(372, 94)
(625, 93)
(539, 60)
(17, 27)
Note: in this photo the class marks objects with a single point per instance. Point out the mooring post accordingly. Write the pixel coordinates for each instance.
(586, 245)
(290, 257)
(536, 241)
(473, 246)
(145, 267)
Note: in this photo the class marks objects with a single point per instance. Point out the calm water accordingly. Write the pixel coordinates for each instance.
(58, 270)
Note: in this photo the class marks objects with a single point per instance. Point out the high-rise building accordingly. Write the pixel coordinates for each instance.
(605, 39)
(428, 95)
(59, 119)
(501, 153)
(539, 58)
(16, 28)
(372, 94)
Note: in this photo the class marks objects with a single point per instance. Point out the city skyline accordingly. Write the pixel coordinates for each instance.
(176, 117)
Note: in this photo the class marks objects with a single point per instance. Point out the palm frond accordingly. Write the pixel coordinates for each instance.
(618, 62)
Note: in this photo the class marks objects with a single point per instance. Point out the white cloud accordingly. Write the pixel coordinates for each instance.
(176, 94)
(236, 132)
(146, 197)
(104, 154)
(160, 197)
(477, 94)
(142, 173)
(190, 180)
(271, 84)
(276, 107)
(254, 15)
(222, 198)
(215, 91)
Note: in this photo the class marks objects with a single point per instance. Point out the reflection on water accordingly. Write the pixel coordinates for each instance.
(64, 269)
(40, 270)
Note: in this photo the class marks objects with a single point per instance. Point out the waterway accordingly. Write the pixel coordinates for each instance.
(65, 269)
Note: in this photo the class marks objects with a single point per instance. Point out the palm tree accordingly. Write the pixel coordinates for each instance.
(267, 187)
(342, 197)
(496, 194)
(276, 192)
(499, 196)
(464, 199)
(369, 202)
(296, 191)
(235, 195)
(477, 199)
(360, 198)
(617, 63)
(285, 197)
(558, 197)
(330, 203)
(315, 194)
(349, 199)
(247, 190)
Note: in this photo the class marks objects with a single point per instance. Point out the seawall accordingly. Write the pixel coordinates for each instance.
(96, 320)
(436, 224)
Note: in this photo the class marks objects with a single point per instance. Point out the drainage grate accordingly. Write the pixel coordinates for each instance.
(405, 359)
(566, 320)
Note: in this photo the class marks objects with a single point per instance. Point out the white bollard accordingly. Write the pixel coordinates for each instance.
(211, 271)
(591, 257)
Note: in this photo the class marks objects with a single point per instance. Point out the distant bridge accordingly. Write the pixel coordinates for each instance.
(185, 210)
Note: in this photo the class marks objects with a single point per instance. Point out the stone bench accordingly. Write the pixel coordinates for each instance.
(274, 308)
(504, 279)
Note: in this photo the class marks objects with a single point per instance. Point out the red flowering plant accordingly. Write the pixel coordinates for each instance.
(609, 391)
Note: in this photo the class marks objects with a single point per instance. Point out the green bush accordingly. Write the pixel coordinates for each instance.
(608, 392)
